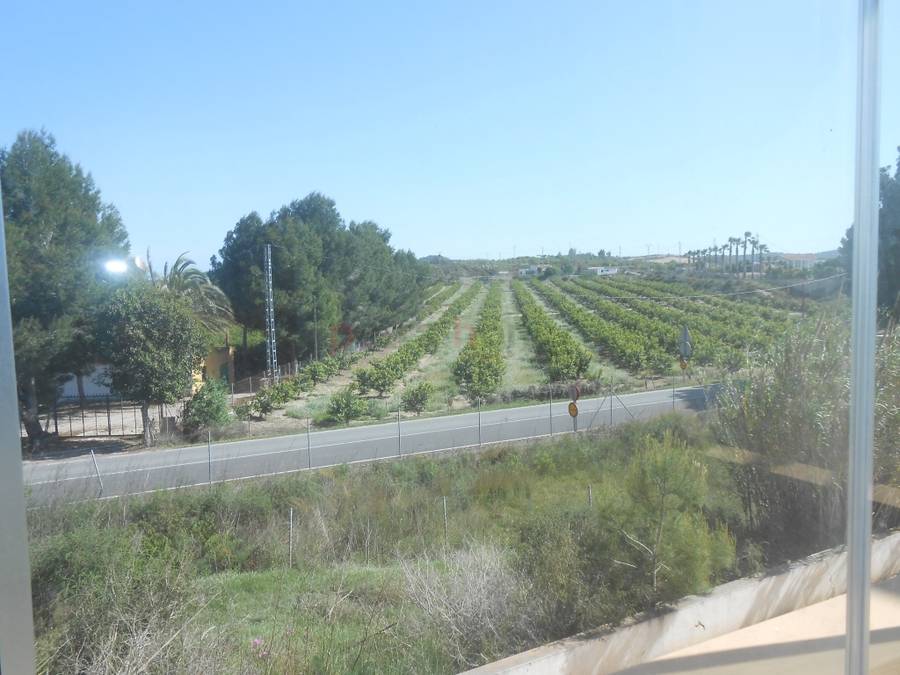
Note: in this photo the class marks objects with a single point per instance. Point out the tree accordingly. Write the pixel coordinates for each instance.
(415, 397)
(746, 239)
(209, 304)
(153, 344)
(888, 242)
(674, 546)
(58, 234)
(207, 409)
(326, 275)
(346, 405)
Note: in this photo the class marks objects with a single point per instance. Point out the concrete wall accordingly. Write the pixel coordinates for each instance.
(694, 619)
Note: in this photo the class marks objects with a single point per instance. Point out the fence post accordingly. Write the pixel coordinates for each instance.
(97, 469)
(291, 540)
(479, 421)
(122, 412)
(673, 392)
(209, 456)
(108, 418)
(445, 521)
(83, 431)
(610, 405)
(232, 394)
(551, 410)
(308, 444)
(399, 441)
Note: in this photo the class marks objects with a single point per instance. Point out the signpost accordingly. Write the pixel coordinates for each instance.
(573, 411)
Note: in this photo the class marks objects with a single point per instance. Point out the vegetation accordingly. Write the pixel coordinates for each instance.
(198, 581)
(334, 283)
(795, 408)
(713, 258)
(59, 233)
(346, 405)
(563, 357)
(207, 409)
(480, 367)
(382, 374)
(632, 350)
(435, 301)
(152, 344)
(888, 242)
(209, 304)
(416, 396)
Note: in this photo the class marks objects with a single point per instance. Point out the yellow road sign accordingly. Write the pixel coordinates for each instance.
(573, 409)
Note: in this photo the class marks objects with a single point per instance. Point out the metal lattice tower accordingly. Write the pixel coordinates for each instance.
(271, 350)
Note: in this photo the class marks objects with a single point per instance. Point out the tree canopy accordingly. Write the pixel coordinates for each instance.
(888, 241)
(58, 234)
(341, 280)
(152, 343)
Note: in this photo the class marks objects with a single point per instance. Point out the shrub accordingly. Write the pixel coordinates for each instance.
(346, 405)
(479, 606)
(207, 409)
(415, 397)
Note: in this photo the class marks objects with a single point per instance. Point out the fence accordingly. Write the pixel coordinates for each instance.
(405, 435)
(99, 416)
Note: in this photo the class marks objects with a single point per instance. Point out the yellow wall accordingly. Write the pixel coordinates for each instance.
(219, 363)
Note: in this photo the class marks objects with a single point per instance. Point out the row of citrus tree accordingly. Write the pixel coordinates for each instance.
(727, 340)
(741, 312)
(560, 353)
(625, 347)
(479, 368)
(432, 304)
(381, 375)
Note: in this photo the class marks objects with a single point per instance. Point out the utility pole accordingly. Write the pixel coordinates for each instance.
(271, 351)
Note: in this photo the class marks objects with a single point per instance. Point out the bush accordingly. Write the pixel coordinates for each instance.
(415, 397)
(479, 606)
(207, 409)
(346, 405)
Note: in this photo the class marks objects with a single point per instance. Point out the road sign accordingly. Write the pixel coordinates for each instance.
(685, 345)
(574, 392)
(573, 409)
(683, 364)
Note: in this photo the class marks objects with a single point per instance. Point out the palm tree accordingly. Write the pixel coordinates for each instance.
(747, 236)
(732, 250)
(762, 249)
(209, 303)
(754, 242)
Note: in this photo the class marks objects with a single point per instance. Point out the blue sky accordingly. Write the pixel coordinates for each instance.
(470, 129)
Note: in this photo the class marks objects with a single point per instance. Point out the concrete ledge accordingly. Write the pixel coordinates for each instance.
(693, 619)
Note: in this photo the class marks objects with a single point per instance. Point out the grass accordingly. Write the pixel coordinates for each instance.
(600, 367)
(116, 580)
(437, 368)
(522, 369)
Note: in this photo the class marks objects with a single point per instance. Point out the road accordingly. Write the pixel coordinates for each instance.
(136, 472)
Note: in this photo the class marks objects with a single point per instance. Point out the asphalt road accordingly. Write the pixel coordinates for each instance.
(135, 472)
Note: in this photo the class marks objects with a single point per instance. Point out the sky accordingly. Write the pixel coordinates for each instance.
(469, 129)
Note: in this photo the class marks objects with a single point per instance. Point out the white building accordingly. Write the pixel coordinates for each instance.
(603, 271)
